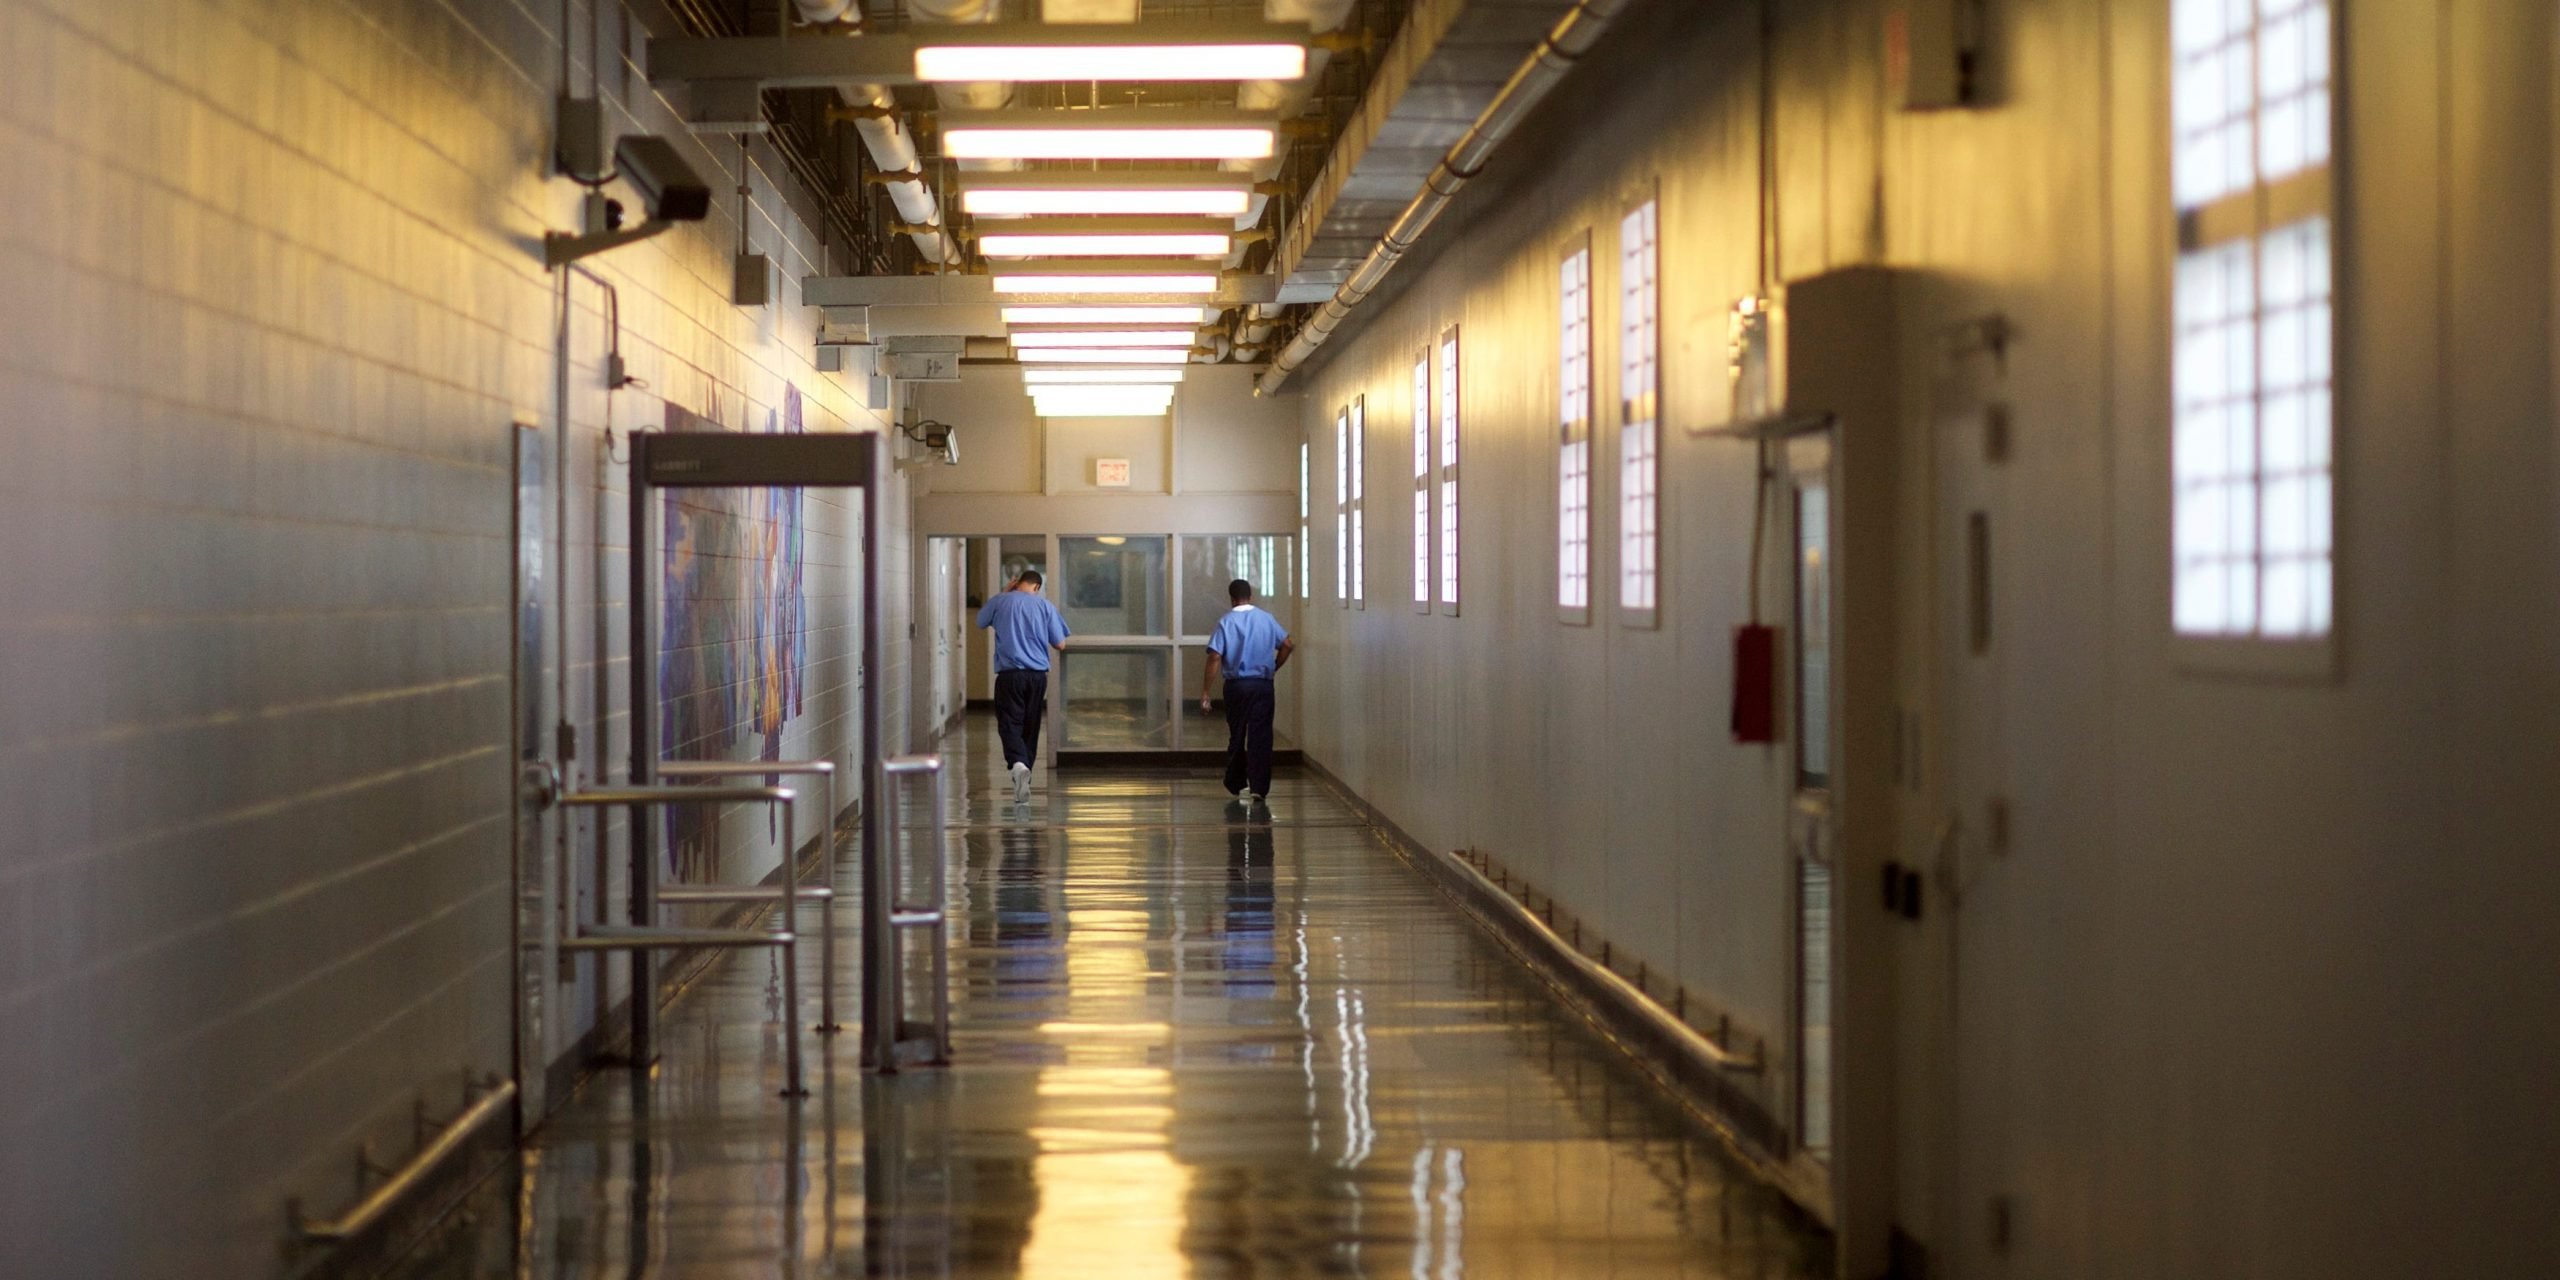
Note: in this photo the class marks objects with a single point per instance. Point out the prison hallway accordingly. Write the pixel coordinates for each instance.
(1190, 1040)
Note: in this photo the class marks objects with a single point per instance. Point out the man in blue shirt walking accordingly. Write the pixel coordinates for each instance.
(1027, 628)
(1250, 646)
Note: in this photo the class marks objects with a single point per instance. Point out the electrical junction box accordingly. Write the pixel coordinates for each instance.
(752, 280)
(934, 358)
(1932, 50)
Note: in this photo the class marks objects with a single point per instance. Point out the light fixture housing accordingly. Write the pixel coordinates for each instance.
(1140, 315)
(1044, 55)
(1141, 192)
(1123, 244)
(1103, 402)
(1106, 135)
(1105, 283)
(1115, 355)
(1040, 338)
(1037, 378)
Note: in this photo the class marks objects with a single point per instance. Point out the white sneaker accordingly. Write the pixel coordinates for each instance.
(1022, 784)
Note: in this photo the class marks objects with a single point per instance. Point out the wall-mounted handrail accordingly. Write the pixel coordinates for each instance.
(645, 936)
(825, 772)
(885, 913)
(369, 1210)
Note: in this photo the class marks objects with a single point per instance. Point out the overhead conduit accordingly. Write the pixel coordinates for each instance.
(1538, 74)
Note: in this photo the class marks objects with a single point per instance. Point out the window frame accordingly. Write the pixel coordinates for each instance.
(1425, 568)
(2251, 214)
(1450, 567)
(1573, 423)
(1342, 507)
(1647, 428)
(1359, 502)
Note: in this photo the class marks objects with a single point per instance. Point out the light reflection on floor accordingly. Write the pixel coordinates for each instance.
(1189, 1043)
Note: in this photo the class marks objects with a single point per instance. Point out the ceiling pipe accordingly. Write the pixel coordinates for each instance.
(1538, 74)
(893, 151)
(983, 95)
(821, 13)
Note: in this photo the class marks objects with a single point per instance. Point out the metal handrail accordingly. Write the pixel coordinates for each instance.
(640, 938)
(375, 1203)
(825, 772)
(931, 914)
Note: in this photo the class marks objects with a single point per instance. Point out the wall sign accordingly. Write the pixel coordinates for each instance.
(1111, 473)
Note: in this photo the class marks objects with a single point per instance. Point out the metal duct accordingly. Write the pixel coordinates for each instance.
(821, 13)
(1538, 74)
(976, 95)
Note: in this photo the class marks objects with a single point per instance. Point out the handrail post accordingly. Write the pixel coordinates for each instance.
(796, 1087)
(941, 898)
(885, 990)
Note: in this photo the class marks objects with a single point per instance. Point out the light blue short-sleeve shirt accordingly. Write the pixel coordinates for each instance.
(1026, 625)
(1248, 641)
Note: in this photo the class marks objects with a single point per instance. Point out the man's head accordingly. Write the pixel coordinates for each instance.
(1240, 591)
(1029, 581)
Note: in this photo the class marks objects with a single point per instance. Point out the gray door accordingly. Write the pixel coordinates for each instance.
(539, 854)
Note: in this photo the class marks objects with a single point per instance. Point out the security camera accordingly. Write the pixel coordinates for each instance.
(675, 193)
(945, 442)
(672, 191)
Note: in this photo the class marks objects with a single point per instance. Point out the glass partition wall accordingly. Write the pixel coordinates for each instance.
(1142, 607)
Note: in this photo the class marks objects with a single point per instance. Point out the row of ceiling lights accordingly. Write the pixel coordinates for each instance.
(1103, 250)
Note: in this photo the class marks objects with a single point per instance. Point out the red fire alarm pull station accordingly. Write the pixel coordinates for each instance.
(1755, 683)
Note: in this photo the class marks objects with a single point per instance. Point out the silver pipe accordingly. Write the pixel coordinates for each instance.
(370, 1209)
(1537, 75)
(825, 770)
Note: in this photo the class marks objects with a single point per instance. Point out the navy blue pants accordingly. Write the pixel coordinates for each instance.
(1022, 697)
(1250, 704)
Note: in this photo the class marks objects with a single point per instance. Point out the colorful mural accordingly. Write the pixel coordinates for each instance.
(733, 643)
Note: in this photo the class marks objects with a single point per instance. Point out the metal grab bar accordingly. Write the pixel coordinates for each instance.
(825, 772)
(888, 913)
(645, 937)
(369, 1210)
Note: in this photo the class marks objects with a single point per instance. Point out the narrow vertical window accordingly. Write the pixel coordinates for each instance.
(1573, 438)
(1422, 481)
(1359, 503)
(1342, 507)
(1306, 550)
(1449, 469)
(1640, 429)
(2250, 453)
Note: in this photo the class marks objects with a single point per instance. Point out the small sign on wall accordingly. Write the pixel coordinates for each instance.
(1111, 473)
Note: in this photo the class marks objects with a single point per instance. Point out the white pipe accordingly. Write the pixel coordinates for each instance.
(893, 150)
(1537, 75)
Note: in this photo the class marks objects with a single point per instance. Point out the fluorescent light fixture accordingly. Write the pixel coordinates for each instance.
(1106, 338)
(1109, 315)
(1037, 378)
(1114, 355)
(1204, 282)
(1124, 61)
(1103, 402)
(1123, 245)
(1002, 202)
(1105, 135)
(1157, 192)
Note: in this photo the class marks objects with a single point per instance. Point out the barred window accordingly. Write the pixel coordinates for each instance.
(1573, 436)
(2251, 519)
(1640, 429)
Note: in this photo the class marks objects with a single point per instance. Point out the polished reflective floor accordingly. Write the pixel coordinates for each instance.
(1191, 1041)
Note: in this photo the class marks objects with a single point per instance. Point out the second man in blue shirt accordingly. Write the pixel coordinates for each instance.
(1250, 646)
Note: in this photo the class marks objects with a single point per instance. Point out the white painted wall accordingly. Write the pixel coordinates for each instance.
(2257, 989)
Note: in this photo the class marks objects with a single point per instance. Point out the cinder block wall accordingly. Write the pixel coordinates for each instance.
(270, 300)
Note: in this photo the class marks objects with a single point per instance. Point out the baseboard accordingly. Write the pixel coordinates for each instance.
(1691, 1067)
